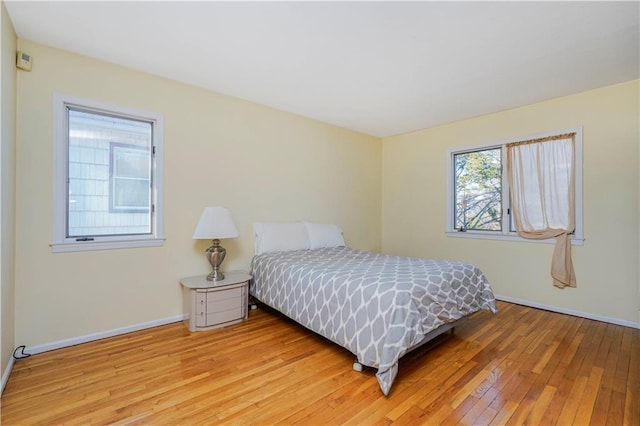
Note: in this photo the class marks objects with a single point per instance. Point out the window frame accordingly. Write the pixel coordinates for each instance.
(60, 242)
(577, 237)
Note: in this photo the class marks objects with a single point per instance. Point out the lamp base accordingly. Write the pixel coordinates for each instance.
(215, 275)
(215, 255)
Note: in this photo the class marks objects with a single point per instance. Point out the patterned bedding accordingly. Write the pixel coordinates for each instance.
(377, 306)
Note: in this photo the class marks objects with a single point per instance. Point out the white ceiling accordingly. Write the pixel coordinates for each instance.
(381, 68)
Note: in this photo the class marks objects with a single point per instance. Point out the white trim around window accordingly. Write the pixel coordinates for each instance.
(577, 238)
(61, 240)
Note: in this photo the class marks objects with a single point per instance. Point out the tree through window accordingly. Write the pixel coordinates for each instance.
(478, 190)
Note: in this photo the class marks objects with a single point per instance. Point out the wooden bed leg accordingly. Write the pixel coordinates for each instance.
(453, 331)
(357, 366)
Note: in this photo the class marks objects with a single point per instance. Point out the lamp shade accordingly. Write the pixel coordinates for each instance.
(215, 223)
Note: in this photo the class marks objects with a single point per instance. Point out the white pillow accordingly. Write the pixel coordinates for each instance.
(324, 235)
(283, 236)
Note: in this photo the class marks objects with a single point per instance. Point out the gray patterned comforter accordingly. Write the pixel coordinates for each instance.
(377, 306)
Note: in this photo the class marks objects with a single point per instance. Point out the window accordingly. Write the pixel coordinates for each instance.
(107, 176)
(130, 181)
(478, 191)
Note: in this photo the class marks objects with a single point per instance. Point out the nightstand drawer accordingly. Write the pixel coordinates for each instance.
(216, 296)
(221, 317)
(223, 305)
(208, 297)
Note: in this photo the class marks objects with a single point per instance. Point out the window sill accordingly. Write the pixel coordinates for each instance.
(479, 235)
(68, 247)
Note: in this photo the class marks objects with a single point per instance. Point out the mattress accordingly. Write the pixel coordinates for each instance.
(377, 306)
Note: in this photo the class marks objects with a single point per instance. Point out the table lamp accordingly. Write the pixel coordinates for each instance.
(215, 223)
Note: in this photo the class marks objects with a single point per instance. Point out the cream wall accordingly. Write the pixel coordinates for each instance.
(265, 165)
(414, 202)
(7, 188)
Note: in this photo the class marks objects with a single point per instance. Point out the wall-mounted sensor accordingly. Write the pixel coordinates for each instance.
(24, 61)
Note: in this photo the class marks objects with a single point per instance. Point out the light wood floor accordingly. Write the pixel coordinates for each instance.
(522, 366)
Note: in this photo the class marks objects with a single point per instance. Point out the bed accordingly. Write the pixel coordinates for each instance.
(377, 306)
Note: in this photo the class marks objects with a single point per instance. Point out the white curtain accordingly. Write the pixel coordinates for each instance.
(542, 188)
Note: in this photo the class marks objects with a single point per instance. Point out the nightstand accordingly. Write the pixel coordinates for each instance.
(213, 304)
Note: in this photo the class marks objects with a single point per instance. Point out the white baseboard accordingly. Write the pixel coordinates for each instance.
(587, 315)
(101, 335)
(6, 374)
